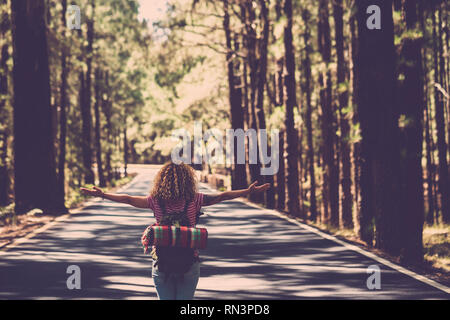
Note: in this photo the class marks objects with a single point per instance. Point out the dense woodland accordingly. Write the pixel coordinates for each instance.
(363, 114)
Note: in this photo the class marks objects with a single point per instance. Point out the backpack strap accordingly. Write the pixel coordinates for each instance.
(185, 207)
(163, 207)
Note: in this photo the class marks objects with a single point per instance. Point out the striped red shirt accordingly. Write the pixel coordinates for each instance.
(177, 206)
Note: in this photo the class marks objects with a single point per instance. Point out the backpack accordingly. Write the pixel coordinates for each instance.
(174, 260)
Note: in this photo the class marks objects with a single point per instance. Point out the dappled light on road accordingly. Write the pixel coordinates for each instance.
(251, 255)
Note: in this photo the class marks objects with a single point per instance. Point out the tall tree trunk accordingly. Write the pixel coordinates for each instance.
(411, 104)
(346, 219)
(239, 176)
(446, 69)
(444, 101)
(4, 97)
(245, 67)
(301, 166)
(279, 96)
(428, 137)
(35, 182)
(106, 108)
(86, 106)
(280, 81)
(261, 80)
(98, 145)
(430, 164)
(309, 128)
(63, 107)
(355, 120)
(252, 59)
(443, 182)
(379, 154)
(290, 104)
(331, 177)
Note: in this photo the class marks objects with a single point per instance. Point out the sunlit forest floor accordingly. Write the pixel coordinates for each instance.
(437, 246)
(17, 226)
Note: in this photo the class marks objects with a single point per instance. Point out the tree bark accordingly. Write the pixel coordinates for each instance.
(309, 129)
(440, 126)
(98, 144)
(63, 107)
(356, 145)
(346, 219)
(106, 108)
(444, 101)
(331, 177)
(239, 176)
(290, 104)
(411, 105)
(249, 18)
(380, 203)
(430, 212)
(4, 97)
(86, 106)
(35, 182)
(262, 78)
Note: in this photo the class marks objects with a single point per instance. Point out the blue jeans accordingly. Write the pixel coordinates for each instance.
(176, 288)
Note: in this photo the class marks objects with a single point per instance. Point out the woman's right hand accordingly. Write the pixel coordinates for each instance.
(209, 200)
(95, 192)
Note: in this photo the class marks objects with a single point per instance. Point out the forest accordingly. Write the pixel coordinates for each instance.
(360, 97)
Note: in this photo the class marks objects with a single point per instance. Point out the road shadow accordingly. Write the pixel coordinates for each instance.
(250, 255)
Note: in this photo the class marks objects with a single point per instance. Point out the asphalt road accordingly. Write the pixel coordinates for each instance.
(250, 255)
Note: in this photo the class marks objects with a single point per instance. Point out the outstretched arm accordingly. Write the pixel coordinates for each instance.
(135, 201)
(209, 200)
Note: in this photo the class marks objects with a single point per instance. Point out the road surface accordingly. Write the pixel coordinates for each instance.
(251, 255)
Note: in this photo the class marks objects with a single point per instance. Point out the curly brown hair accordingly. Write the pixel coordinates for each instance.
(175, 182)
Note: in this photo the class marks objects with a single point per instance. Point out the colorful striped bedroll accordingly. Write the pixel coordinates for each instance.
(171, 236)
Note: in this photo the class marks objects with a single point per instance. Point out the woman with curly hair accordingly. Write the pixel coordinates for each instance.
(175, 189)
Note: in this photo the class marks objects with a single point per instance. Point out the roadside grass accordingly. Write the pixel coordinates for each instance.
(7, 215)
(436, 247)
(436, 243)
(345, 232)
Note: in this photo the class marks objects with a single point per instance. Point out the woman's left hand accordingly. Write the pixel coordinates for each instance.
(261, 188)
